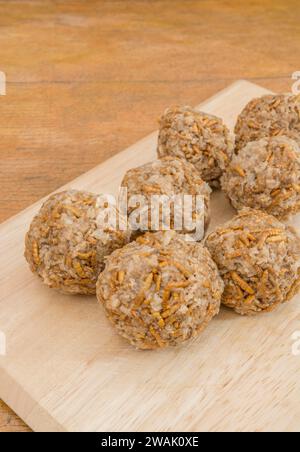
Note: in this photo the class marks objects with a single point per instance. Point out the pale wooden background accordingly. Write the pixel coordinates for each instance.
(87, 79)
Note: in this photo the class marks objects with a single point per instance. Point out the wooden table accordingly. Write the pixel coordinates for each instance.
(87, 79)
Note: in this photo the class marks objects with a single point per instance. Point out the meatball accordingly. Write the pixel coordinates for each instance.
(173, 179)
(265, 175)
(198, 138)
(269, 115)
(160, 290)
(258, 258)
(69, 239)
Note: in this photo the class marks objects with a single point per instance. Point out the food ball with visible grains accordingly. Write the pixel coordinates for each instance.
(69, 239)
(265, 175)
(269, 115)
(169, 176)
(160, 290)
(198, 138)
(258, 258)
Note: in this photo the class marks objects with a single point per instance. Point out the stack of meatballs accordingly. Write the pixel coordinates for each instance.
(158, 286)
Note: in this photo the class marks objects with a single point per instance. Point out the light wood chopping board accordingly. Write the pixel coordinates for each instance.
(66, 369)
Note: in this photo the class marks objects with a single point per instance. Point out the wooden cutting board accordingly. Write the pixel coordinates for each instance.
(66, 369)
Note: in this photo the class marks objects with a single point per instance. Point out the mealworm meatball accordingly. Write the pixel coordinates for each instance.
(198, 138)
(269, 115)
(265, 175)
(160, 290)
(68, 241)
(258, 258)
(171, 177)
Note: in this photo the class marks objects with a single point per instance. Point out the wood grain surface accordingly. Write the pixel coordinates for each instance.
(87, 79)
(67, 369)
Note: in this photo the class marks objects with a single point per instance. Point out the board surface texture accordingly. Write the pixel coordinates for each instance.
(65, 368)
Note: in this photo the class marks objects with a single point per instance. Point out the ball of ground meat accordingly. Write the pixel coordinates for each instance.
(269, 115)
(69, 239)
(258, 258)
(265, 175)
(160, 290)
(198, 138)
(168, 177)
